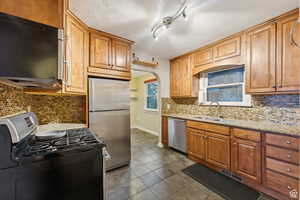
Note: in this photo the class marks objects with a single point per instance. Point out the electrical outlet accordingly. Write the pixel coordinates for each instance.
(168, 106)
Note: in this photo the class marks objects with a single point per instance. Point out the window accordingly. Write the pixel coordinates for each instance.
(227, 87)
(151, 95)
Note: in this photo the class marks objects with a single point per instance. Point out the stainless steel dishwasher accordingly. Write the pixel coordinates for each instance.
(177, 134)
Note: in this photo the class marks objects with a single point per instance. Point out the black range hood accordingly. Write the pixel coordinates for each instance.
(29, 53)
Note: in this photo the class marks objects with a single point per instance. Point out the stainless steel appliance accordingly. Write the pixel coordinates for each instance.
(177, 134)
(109, 118)
(69, 165)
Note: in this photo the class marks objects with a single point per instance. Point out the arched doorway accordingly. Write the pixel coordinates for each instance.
(144, 115)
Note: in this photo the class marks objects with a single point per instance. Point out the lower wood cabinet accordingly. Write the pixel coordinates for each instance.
(196, 144)
(164, 131)
(212, 148)
(246, 159)
(218, 150)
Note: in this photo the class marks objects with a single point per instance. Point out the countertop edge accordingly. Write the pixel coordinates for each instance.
(227, 123)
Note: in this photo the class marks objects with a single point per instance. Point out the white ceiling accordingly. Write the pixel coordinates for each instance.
(208, 20)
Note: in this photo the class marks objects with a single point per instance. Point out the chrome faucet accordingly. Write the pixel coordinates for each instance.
(217, 111)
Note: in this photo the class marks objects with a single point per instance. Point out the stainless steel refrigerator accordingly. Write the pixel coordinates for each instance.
(109, 118)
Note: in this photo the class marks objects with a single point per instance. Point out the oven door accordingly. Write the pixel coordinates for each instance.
(74, 176)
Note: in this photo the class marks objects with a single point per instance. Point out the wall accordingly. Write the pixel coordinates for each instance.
(140, 118)
(61, 109)
(162, 71)
(284, 109)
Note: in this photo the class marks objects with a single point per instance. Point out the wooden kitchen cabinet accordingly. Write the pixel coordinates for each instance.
(121, 52)
(110, 56)
(227, 49)
(288, 55)
(196, 144)
(246, 159)
(183, 83)
(164, 131)
(100, 51)
(77, 54)
(218, 150)
(49, 12)
(261, 59)
(203, 57)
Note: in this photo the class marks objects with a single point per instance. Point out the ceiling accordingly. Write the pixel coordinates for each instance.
(208, 20)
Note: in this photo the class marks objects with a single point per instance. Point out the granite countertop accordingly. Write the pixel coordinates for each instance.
(59, 126)
(265, 126)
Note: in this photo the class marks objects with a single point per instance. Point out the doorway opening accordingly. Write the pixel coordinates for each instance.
(145, 103)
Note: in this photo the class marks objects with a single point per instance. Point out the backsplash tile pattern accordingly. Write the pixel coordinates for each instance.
(62, 109)
(284, 109)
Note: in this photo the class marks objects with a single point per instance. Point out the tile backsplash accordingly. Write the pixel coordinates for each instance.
(284, 109)
(62, 109)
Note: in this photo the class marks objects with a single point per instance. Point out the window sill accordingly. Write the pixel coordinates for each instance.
(151, 110)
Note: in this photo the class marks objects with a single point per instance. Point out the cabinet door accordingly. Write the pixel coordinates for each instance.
(203, 57)
(164, 136)
(246, 159)
(76, 56)
(175, 78)
(100, 51)
(196, 144)
(185, 77)
(218, 150)
(49, 12)
(261, 59)
(121, 55)
(227, 49)
(288, 55)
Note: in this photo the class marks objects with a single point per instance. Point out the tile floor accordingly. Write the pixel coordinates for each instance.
(155, 174)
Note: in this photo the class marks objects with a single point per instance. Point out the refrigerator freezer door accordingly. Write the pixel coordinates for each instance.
(114, 128)
(106, 94)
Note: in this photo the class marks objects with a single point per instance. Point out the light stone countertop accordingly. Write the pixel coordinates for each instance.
(59, 126)
(264, 126)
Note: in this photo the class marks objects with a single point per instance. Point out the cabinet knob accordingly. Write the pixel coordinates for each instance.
(289, 156)
(288, 170)
(289, 187)
(288, 142)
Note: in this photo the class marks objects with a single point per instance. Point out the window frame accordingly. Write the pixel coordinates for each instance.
(203, 85)
(146, 95)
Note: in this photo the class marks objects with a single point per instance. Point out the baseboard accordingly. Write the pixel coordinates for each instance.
(146, 130)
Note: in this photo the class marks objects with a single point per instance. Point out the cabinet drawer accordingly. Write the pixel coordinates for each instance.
(283, 154)
(246, 134)
(224, 130)
(280, 183)
(282, 167)
(282, 141)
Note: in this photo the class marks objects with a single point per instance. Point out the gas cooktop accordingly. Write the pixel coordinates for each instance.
(74, 139)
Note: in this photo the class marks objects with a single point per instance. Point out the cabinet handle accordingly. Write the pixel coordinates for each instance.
(289, 187)
(234, 143)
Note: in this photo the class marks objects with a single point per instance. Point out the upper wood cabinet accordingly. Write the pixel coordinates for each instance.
(77, 54)
(100, 51)
(109, 56)
(49, 12)
(121, 53)
(183, 83)
(288, 55)
(261, 55)
(203, 57)
(227, 49)
(273, 61)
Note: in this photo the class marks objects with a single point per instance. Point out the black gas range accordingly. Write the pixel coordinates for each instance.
(64, 165)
